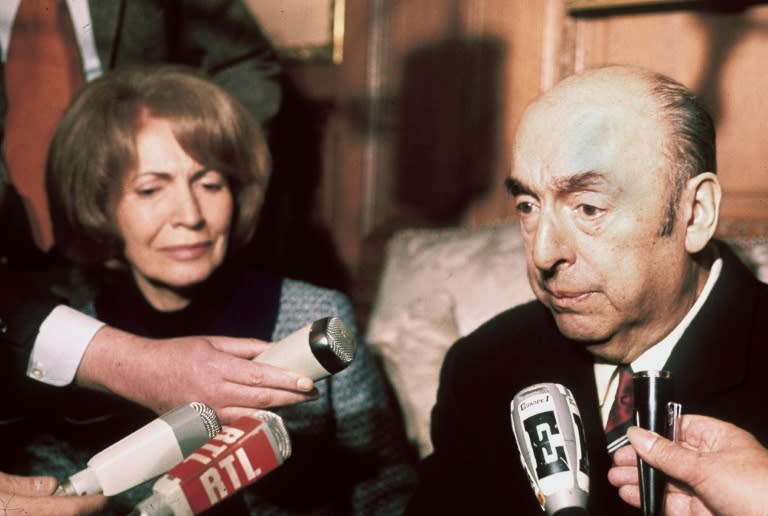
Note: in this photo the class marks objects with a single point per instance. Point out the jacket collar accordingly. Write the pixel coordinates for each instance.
(712, 353)
(106, 17)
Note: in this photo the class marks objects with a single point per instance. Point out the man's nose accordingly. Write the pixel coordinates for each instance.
(551, 246)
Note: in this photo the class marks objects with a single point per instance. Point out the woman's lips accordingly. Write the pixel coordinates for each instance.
(186, 252)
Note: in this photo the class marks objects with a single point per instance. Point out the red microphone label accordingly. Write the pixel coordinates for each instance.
(237, 456)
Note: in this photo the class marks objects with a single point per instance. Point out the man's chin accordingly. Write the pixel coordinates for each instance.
(582, 328)
(601, 337)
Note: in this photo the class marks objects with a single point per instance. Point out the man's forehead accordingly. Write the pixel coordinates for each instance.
(557, 137)
(613, 91)
(571, 130)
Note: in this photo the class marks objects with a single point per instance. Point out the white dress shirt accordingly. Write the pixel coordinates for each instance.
(606, 375)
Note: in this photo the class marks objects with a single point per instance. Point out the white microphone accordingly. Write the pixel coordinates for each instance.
(238, 456)
(317, 350)
(553, 448)
(146, 453)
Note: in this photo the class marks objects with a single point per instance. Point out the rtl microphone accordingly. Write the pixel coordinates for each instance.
(653, 394)
(553, 448)
(146, 453)
(317, 350)
(238, 456)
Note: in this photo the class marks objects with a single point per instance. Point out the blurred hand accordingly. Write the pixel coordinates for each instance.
(718, 468)
(32, 496)
(163, 374)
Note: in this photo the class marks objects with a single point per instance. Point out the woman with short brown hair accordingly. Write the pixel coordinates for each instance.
(164, 173)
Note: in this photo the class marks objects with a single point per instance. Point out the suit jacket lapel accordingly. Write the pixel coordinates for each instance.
(106, 17)
(711, 355)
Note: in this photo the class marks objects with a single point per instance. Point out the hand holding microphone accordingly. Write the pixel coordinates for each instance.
(719, 468)
(146, 453)
(34, 495)
(553, 448)
(317, 350)
(238, 456)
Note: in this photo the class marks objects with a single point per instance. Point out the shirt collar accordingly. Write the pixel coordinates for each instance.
(654, 358)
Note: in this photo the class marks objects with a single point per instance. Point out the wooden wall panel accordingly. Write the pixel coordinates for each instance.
(343, 196)
(531, 36)
(455, 74)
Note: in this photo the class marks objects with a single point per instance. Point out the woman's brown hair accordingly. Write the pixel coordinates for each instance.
(94, 146)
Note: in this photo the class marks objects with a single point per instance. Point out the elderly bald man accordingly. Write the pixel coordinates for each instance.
(613, 179)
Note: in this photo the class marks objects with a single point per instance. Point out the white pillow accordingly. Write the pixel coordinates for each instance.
(483, 269)
(436, 286)
(412, 348)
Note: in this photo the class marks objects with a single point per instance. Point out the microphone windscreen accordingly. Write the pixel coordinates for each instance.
(317, 350)
(332, 343)
(191, 423)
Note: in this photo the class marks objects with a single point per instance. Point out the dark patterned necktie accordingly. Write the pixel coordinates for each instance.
(621, 416)
(42, 73)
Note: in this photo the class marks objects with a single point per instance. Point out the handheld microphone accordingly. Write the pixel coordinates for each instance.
(317, 350)
(653, 393)
(146, 453)
(553, 448)
(238, 456)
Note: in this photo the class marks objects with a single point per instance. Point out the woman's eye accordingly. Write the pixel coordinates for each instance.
(146, 192)
(213, 187)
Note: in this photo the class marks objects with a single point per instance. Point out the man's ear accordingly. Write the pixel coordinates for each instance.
(702, 196)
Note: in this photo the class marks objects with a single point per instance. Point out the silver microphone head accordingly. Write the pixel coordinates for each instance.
(332, 343)
(281, 440)
(192, 424)
(208, 417)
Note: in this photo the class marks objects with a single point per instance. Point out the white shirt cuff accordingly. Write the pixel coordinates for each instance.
(60, 345)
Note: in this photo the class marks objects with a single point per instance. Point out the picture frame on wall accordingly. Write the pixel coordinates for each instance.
(595, 5)
(303, 30)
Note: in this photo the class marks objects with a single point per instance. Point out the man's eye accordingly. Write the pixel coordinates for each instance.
(589, 210)
(524, 207)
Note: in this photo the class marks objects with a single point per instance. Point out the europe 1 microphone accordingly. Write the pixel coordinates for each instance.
(146, 453)
(553, 449)
(317, 350)
(238, 456)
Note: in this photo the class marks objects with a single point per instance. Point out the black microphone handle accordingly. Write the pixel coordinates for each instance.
(652, 391)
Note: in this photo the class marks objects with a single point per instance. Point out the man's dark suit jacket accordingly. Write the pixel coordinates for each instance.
(718, 368)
